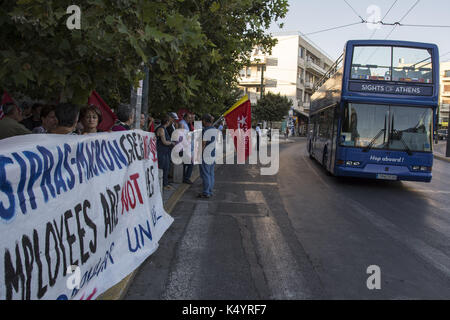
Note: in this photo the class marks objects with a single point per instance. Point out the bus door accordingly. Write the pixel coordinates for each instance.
(334, 137)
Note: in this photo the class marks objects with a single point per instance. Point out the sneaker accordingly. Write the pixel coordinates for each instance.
(188, 181)
(202, 195)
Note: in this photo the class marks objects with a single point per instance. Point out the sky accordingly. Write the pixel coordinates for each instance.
(308, 16)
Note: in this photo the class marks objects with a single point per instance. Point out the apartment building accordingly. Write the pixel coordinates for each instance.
(292, 69)
(444, 103)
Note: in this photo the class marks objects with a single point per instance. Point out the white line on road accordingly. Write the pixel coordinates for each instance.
(283, 275)
(184, 280)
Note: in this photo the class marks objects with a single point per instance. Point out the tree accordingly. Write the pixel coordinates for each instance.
(272, 107)
(200, 47)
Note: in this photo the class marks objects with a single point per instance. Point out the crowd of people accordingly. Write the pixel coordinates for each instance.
(66, 118)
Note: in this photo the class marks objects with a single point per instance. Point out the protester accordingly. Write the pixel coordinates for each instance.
(142, 123)
(191, 122)
(163, 148)
(26, 110)
(10, 125)
(35, 119)
(67, 115)
(48, 119)
(125, 119)
(207, 167)
(90, 117)
(258, 135)
(187, 167)
(174, 125)
(151, 124)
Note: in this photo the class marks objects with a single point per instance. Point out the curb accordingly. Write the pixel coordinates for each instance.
(442, 158)
(118, 291)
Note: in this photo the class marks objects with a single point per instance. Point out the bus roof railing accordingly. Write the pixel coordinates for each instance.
(331, 72)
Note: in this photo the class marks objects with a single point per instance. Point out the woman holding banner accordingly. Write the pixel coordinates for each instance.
(163, 148)
(90, 117)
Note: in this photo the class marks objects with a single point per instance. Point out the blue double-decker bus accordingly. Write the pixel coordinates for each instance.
(374, 113)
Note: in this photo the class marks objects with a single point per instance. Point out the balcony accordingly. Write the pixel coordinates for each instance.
(312, 67)
(309, 86)
(258, 59)
(250, 81)
(306, 106)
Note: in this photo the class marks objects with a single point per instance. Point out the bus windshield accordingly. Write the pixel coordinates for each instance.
(387, 127)
(387, 63)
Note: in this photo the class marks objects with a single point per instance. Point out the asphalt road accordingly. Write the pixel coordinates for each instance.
(303, 235)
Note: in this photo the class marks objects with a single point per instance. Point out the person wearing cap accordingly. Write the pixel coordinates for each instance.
(173, 125)
(10, 125)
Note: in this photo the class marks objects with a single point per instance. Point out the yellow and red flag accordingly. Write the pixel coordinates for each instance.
(239, 118)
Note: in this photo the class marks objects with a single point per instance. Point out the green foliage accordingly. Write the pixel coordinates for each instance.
(272, 107)
(201, 45)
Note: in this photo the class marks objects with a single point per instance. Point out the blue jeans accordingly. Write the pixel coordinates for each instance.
(187, 171)
(207, 174)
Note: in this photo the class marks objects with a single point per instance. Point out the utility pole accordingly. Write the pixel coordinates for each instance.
(262, 81)
(136, 104)
(144, 108)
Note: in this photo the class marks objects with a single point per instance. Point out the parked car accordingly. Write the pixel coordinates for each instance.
(443, 134)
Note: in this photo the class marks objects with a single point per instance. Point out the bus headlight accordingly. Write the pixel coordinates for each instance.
(416, 168)
(352, 163)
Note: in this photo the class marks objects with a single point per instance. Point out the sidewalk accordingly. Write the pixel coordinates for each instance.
(439, 151)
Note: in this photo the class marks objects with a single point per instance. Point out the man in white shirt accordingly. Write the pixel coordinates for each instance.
(187, 167)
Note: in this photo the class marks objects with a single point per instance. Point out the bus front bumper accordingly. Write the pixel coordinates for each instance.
(376, 171)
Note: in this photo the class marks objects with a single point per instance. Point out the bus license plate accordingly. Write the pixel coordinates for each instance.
(387, 177)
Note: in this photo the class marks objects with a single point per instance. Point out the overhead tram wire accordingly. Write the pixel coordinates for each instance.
(382, 19)
(359, 16)
(395, 26)
(406, 14)
(334, 28)
(375, 30)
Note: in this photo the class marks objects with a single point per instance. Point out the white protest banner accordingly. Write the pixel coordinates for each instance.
(77, 213)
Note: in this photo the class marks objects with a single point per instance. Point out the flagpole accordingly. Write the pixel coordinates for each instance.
(242, 100)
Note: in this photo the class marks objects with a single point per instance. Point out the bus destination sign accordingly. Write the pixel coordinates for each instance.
(391, 89)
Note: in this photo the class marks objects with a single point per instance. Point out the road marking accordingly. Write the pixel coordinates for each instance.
(283, 275)
(435, 257)
(431, 191)
(184, 281)
(248, 183)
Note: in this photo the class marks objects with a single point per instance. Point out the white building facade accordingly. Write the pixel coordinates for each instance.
(291, 70)
(444, 101)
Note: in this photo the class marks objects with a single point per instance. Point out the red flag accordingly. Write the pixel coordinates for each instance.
(6, 98)
(239, 118)
(108, 117)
